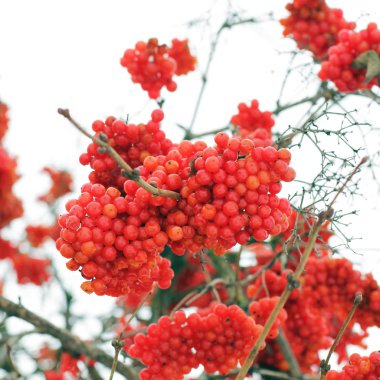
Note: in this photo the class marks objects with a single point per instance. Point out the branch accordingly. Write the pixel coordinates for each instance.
(287, 352)
(127, 171)
(323, 216)
(324, 366)
(70, 343)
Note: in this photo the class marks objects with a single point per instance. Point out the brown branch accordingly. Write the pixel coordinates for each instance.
(127, 171)
(70, 343)
(324, 366)
(323, 216)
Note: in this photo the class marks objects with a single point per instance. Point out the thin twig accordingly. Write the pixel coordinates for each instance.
(324, 366)
(117, 343)
(127, 171)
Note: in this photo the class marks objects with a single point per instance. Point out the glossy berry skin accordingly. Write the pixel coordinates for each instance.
(338, 66)
(314, 25)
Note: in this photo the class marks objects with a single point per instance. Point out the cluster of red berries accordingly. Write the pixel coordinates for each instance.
(228, 195)
(10, 205)
(218, 341)
(37, 235)
(319, 307)
(28, 269)
(3, 119)
(339, 65)
(233, 196)
(254, 124)
(181, 54)
(61, 185)
(116, 243)
(261, 310)
(153, 66)
(132, 142)
(314, 25)
(68, 368)
(358, 368)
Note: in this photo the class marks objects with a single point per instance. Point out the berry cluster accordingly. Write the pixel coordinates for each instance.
(132, 142)
(10, 205)
(228, 195)
(254, 124)
(116, 243)
(37, 235)
(339, 65)
(61, 185)
(181, 54)
(319, 307)
(3, 119)
(218, 341)
(262, 309)
(314, 25)
(233, 196)
(153, 66)
(358, 368)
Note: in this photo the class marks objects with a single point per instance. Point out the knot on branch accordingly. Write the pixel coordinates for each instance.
(103, 137)
(326, 215)
(324, 367)
(133, 174)
(292, 282)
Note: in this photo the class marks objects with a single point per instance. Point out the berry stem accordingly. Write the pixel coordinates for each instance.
(323, 216)
(129, 172)
(70, 343)
(324, 366)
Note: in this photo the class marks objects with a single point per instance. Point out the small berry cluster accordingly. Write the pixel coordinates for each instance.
(3, 119)
(180, 52)
(30, 269)
(218, 341)
(37, 235)
(261, 310)
(314, 25)
(339, 65)
(61, 185)
(254, 124)
(153, 66)
(10, 205)
(358, 368)
(132, 142)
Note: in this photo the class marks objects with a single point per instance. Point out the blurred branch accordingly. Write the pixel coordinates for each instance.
(70, 343)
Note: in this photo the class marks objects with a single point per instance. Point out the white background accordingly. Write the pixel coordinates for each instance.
(66, 54)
